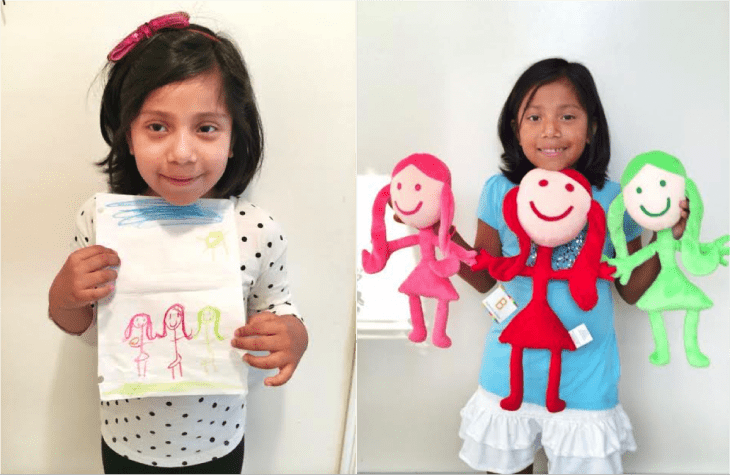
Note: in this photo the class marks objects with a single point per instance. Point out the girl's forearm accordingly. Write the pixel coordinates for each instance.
(74, 321)
(643, 275)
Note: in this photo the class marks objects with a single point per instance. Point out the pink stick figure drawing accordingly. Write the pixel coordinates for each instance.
(174, 320)
(142, 324)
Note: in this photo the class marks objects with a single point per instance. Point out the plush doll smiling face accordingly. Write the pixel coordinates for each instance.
(552, 207)
(416, 197)
(652, 198)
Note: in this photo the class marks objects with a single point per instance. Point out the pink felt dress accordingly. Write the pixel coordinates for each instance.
(423, 281)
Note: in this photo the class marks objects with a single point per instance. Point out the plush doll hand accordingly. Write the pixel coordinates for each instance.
(605, 270)
(483, 260)
(623, 269)
(375, 262)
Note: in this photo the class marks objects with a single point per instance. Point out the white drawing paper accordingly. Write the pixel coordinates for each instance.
(166, 327)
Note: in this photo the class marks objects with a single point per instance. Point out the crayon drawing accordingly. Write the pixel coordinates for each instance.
(158, 332)
(213, 240)
(140, 324)
(207, 317)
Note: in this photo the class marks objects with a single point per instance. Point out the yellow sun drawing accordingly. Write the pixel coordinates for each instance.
(213, 240)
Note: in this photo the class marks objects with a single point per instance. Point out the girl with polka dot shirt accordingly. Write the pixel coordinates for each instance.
(181, 120)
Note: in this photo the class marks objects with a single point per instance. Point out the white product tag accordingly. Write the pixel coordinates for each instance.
(580, 335)
(499, 304)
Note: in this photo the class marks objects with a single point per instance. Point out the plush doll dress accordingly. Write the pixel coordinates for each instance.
(423, 281)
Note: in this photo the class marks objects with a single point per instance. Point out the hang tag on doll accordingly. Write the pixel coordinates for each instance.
(499, 304)
(580, 335)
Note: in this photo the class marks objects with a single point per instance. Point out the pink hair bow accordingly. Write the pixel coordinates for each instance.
(171, 20)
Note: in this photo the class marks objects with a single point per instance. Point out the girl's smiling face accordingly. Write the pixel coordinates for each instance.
(553, 127)
(181, 139)
(416, 197)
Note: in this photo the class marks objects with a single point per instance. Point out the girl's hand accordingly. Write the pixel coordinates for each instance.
(84, 278)
(283, 336)
(679, 227)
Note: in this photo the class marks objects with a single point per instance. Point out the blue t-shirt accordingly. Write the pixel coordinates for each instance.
(590, 374)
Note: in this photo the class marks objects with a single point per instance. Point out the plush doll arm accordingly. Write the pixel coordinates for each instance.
(706, 258)
(624, 266)
(500, 268)
(466, 256)
(375, 261)
(450, 265)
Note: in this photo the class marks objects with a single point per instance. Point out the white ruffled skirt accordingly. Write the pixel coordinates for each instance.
(506, 441)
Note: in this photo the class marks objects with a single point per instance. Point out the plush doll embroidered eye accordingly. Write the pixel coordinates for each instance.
(420, 192)
(652, 186)
(550, 208)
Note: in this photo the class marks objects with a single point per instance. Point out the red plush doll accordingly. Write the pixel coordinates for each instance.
(550, 208)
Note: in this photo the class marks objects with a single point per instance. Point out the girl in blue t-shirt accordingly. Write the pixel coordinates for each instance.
(552, 119)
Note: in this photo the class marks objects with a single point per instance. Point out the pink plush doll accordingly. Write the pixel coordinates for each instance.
(550, 208)
(420, 191)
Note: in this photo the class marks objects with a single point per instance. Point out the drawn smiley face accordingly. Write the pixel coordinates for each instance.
(173, 317)
(416, 197)
(652, 198)
(552, 207)
(139, 321)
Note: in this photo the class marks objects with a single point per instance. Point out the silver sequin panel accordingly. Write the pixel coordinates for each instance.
(564, 255)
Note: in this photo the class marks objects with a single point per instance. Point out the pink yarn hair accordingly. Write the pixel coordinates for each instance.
(433, 168)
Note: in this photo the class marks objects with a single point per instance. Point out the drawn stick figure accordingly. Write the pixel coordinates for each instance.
(141, 323)
(174, 320)
(207, 316)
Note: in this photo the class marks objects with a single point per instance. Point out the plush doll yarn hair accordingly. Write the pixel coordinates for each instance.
(420, 183)
(432, 167)
(651, 181)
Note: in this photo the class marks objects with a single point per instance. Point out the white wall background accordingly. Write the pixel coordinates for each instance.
(432, 77)
(302, 59)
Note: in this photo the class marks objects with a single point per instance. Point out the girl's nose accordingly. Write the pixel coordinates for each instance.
(551, 128)
(182, 150)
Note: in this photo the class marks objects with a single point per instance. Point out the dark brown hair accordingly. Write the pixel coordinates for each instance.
(172, 55)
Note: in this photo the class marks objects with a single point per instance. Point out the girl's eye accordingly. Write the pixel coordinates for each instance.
(156, 127)
(543, 183)
(568, 117)
(638, 189)
(418, 187)
(532, 118)
(663, 183)
(207, 129)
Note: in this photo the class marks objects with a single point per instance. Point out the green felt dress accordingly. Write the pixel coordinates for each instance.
(671, 289)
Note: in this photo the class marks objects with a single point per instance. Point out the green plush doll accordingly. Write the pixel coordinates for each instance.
(652, 186)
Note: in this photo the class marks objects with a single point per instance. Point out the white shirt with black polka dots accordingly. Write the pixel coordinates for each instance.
(176, 431)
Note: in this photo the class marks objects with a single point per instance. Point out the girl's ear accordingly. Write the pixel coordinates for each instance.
(230, 152)
(129, 142)
(592, 133)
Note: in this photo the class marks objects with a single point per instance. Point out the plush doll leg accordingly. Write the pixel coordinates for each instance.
(552, 399)
(514, 400)
(418, 334)
(691, 347)
(439, 337)
(661, 351)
